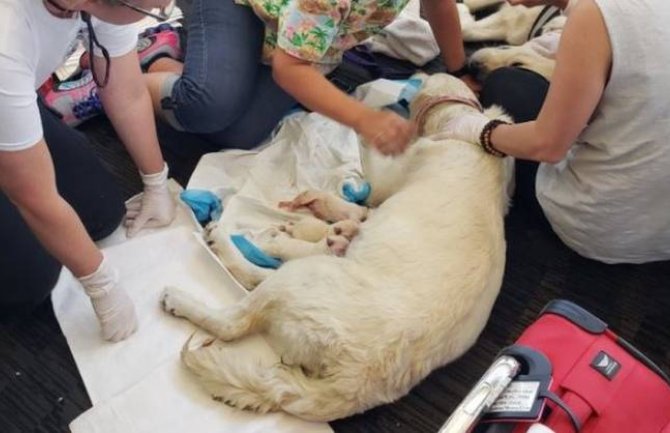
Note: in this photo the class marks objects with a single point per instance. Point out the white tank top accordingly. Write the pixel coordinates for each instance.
(610, 198)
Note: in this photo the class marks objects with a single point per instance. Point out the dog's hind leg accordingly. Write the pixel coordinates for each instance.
(240, 379)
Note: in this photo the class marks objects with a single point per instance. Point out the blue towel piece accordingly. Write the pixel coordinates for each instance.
(254, 254)
(356, 193)
(410, 90)
(205, 204)
(407, 95)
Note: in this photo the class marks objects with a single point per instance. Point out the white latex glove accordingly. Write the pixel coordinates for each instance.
(467, 127)
(112, 305)
(155, 207)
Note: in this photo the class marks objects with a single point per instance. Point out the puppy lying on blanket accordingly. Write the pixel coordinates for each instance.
(412, 293)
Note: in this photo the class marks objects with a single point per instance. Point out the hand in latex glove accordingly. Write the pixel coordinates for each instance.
(112, 306)
(155, 207)
(386, 131)
(467, 127)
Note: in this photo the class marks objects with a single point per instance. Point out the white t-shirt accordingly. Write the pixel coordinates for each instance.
(610, 198)
(33, 44)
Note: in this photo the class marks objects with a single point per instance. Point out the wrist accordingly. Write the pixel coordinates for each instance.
(360, 118)
(100, 282)
(485, 138)
(155, 179)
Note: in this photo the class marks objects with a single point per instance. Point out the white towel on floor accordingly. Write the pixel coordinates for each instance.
(138, 385)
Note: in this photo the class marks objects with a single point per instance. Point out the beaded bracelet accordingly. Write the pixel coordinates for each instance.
(485, 138)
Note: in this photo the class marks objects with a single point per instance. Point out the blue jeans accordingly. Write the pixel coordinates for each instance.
(225, 94)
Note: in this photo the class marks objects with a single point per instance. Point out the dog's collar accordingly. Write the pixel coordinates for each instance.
(420, 117)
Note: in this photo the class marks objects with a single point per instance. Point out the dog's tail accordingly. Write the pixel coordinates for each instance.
(263, 384)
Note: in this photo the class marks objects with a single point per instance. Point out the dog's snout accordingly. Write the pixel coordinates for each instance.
(337, 230)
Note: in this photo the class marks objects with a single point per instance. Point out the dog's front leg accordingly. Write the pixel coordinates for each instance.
(226, 324)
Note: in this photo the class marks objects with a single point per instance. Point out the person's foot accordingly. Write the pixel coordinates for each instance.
(73, 101)
(157, 42)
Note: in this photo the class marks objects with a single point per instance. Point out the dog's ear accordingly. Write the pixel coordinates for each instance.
(497, 112)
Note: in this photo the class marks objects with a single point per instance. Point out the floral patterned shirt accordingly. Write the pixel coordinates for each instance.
(319, 31)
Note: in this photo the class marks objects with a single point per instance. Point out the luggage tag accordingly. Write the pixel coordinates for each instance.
(523, 400)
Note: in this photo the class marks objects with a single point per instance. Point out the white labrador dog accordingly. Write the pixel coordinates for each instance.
(537, 55)
(511, 24)
(514, 25)
(412, 293)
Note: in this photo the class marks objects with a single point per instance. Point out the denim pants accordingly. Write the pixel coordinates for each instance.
(225, 94)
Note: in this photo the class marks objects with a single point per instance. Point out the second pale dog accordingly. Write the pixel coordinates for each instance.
(413, 292)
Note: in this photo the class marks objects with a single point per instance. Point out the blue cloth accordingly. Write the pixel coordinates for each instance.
(356, 193)
(254, 254)
(407, 95)
(205, 204)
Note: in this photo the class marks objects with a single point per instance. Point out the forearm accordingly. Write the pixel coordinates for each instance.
(59, 229)
(314, 91)
(527, 141)
(131, 113)
(27, 178)
(127, 103)
(445, 23)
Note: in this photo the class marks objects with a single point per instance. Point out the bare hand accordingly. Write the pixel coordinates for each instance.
(386, 131)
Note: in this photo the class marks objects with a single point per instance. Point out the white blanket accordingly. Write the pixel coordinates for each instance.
(139, 386)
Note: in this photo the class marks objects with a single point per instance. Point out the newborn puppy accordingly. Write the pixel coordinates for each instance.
(313, 230)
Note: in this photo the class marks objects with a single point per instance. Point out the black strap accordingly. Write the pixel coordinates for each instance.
(560, 403)
(547, 14)
(93, 39)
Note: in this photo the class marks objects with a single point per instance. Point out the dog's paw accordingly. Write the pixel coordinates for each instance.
(287, 227)
(347, 228)
(171, 300)
(337, 245)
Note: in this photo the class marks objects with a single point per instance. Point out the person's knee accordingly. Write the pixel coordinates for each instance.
(207, 108)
